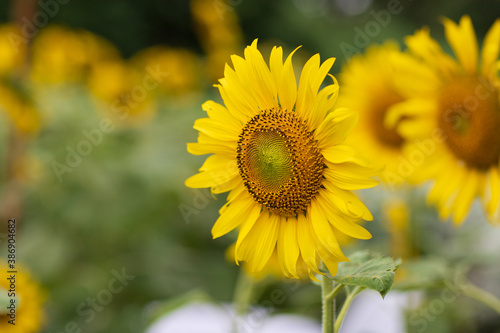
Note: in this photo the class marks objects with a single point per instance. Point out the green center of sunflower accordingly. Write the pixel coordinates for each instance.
(270, 159)
(470, 118)
(279, 162)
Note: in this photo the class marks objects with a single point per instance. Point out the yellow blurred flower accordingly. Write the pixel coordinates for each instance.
(370, 86)
(12, 49)
(396, 216)
(20, 108)
(183, 68)
(29, 301)
(122, 91)
(453, 118)
(62, 55)
(219, 33)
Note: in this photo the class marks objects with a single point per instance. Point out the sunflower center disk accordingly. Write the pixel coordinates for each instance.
(470, 119)
(279, 162)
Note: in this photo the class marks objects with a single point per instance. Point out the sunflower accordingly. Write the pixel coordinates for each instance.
(119, 87)
(12, 49)
(19, 107)
(370, 86)
(29, 300)
(183, 68)
(280, 152)
(453, 119)
(60, 55)
(219, 32)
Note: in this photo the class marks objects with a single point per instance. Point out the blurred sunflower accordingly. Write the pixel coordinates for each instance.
(120, 88)
(279, 151)
(29, 302)
(219, 32)
(397, 223)
(61, 55)
(454, 121)
(19, 107)
(370, 86)
(12, 49)
(15, 101)
(182, 66)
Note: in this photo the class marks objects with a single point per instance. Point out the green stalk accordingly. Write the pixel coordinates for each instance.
(334, 292)
(345, 307)
(328, 304)
(243, 292)
(480, 295)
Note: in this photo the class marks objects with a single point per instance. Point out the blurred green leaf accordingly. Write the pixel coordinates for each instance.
(425, 273)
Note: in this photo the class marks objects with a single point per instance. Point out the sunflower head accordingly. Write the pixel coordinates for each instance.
(29, 304)
(371, 85)
(279, 149)
(280, 162)
(459, 99)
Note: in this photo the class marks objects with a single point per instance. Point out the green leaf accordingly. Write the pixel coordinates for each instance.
(425, 273)
(368, 271)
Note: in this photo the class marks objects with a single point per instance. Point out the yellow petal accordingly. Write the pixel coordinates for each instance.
(350, 176)
(418, 128)
(494, 191)
(332, 266)
(462, 39)
(235, 105)
(216, 129)
(491, 48)
(415, 107)
(259, 78)
(422, 45)
(335, 128)
(324, 232)
(323, 103)
(197, 148)
(288, 247)
(259, 244)
(247, 225)
(307, 246)
(232, 216)
(346, 201)
(311, 78)
(238, 90)
(216, 171)
(465, 197)
(342, 224)
(284, 76)
(227, 186)
(342, 154)
(221, 115)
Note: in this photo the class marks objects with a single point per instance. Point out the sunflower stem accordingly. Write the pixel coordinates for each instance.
(334, 292)
(480, 295)
(243, 292)
(328, 304)
(345, 307)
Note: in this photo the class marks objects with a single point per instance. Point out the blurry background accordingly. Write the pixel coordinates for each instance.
(98, 101)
